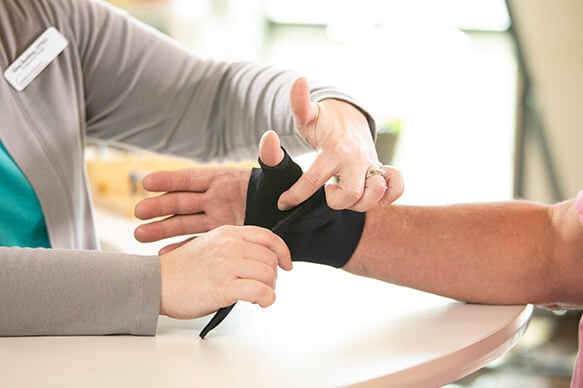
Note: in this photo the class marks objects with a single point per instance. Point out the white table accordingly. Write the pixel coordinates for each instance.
(327, 328)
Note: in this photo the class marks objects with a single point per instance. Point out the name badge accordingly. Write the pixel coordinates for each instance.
(35, 58)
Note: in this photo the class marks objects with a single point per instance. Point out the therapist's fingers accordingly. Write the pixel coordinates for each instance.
(309, 182)
(260, 264)
(374, 189)
(354, 190)
(395, 186)
(218, 268)
(340, 134)
(265, 258)
(251, 291)
(270, 240)
(379, 189)
(304, 111)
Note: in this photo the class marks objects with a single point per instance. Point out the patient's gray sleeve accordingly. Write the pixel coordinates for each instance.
(70, 292)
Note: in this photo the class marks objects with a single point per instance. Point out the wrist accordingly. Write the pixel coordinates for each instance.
(163, 293)
(166, 282)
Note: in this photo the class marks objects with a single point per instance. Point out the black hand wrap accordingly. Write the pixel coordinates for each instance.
(313, 231)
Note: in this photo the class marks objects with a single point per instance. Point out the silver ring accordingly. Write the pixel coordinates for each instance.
(376, 171)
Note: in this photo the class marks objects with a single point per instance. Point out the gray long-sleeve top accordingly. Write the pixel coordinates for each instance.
(117, 81)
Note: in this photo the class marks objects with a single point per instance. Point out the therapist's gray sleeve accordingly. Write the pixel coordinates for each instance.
(69, 292)
(144, 89)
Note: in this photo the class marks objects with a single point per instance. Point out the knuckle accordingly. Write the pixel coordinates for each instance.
(273, 239)
(273, 262)
(226, 237)
(277, 245)
(222, 293)
(376, 191)
(269, 273)
(265, 295)
(343, 148)
(398, 189)
(360, 207)
(344, 198)
(352, 194)
(224, 231)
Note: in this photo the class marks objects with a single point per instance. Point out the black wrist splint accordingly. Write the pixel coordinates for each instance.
(313, 231)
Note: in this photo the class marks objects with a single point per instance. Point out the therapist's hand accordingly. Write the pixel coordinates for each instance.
(219, 268)
(271, 154)
(345, 149)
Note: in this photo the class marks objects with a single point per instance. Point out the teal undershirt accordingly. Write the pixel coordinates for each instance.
(22, 223)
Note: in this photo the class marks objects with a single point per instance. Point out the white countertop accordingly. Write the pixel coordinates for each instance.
(327, 328)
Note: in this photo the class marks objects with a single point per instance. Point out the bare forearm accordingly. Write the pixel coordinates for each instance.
(488, 253)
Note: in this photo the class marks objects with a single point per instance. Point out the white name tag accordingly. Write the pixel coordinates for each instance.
(35, 59)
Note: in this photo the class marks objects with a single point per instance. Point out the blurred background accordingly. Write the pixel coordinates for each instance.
(475, 100)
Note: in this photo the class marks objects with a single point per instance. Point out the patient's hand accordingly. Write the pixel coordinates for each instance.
(197, 200)
(194, 200)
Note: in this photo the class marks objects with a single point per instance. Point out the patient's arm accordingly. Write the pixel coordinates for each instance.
(509, 252)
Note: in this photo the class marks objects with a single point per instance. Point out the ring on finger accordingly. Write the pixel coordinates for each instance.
(376, 171)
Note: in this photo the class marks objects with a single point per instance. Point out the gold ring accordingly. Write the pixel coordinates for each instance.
(376, 171)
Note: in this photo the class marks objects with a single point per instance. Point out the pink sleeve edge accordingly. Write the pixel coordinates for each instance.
(579, 206)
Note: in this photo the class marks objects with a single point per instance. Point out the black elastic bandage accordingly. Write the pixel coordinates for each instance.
(313, 231)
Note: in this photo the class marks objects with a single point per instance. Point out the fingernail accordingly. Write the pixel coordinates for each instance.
(282, 206)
